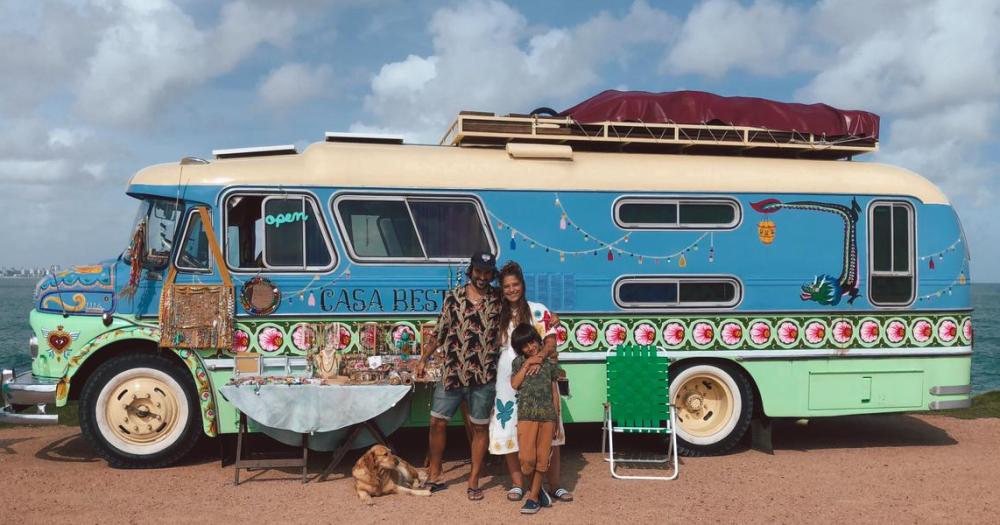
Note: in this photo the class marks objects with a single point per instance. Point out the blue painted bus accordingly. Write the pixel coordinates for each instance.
(786, 282)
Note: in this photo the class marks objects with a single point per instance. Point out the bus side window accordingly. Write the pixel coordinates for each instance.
(276, 232)
(890, 247)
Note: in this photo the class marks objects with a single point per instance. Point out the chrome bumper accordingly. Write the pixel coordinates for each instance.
(18, 394)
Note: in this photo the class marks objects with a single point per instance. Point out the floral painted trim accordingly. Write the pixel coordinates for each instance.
(206, 395)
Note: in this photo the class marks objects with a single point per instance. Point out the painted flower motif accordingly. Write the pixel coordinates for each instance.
(673, 334)
(303, 337)
(760, 333)
(615, 334)
(205, 395)
(270, 339)
(561, 334)
(967, 330)
(815, 332)
(586, 334)
(922, 331)
(869, 331)
(842, 331)
(403, 333)
(732, 334)
(369, 336)
(788, 333)
(947, 331)
(644, 334)
(703, 333)
(895, 332)
(241, 341)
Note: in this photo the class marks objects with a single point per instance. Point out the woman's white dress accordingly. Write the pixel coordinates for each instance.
(503, 424)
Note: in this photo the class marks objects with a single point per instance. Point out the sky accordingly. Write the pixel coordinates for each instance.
(93, 91)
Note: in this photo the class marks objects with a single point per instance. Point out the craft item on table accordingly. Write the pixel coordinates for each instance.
(247, 363)
(324, 351)
(259, 296)
(273, 380)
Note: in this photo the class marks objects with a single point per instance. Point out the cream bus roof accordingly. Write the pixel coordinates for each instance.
(448, 167)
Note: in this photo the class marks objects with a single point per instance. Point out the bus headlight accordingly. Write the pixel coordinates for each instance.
(33, 346)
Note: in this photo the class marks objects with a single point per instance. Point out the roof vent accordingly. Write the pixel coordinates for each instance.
(261, 151)
(367, 138)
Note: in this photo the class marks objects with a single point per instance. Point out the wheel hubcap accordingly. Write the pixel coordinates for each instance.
(704, 405)
(141, 410)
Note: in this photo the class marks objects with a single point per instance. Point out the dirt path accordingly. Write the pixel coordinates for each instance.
(891, 469)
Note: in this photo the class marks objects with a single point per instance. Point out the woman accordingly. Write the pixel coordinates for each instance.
(516, 309)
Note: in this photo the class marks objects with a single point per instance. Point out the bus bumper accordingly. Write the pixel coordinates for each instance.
(948, 404)
(20, 392)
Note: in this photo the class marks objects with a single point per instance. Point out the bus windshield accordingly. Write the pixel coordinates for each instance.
(157, 219)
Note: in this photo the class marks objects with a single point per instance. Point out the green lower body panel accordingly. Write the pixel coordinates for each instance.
(844, 386)
(834, 386)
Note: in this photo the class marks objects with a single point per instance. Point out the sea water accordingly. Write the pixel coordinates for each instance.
(15, 304)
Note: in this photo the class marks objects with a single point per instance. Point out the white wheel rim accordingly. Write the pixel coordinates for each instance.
(141, 411)
(707, 402)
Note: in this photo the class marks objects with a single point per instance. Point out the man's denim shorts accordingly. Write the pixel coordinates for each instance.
(480, 399)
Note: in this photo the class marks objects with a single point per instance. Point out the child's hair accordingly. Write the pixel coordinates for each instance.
(523, 334)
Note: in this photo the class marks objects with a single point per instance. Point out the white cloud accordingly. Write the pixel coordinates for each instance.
(293, 84)
(153, 51)
(719, 36)
(932, 70)
(487, 57)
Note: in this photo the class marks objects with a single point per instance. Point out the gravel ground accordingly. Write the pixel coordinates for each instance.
(889, 469)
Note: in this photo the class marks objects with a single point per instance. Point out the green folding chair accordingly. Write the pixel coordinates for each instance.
(638, 402)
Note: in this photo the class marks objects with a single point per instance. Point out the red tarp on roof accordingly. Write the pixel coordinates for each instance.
(698, 107)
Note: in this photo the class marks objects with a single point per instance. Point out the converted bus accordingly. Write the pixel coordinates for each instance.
(781, 278)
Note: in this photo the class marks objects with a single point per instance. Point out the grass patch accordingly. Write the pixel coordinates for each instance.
(983, 406)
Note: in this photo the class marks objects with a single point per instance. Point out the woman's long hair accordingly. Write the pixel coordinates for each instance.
(507, 308)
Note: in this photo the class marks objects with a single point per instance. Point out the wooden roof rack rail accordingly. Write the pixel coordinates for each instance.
(472, 128)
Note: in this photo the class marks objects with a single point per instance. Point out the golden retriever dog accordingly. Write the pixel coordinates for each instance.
(379, 472)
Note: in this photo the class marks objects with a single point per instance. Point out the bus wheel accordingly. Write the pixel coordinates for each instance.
(140, 411)
(713, 403)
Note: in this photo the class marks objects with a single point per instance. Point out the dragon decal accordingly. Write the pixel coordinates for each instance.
(824, 288)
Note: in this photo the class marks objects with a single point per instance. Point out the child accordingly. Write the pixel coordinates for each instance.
(538, 412)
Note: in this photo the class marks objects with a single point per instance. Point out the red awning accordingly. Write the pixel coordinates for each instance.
(698, 107)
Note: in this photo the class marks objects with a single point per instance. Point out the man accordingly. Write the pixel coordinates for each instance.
(469, 331)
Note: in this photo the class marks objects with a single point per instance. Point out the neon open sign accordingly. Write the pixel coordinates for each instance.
(278, 219)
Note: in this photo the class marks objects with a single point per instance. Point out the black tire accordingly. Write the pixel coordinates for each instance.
(183, 424)
(732, 428)
(544, 111)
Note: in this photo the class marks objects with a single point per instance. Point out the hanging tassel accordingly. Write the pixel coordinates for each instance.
(562, 257)
(312, 299)
(611, 256)
(347, 273)
(931, 263)
(711, 255)
(640, 259)
(961, 279)
(513, 243)
(562, 222)
(682, 262)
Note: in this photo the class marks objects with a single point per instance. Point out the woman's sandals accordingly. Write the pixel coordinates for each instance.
(474, 494)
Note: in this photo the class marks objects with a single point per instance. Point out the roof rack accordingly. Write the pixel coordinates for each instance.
(473, 128)
(261, 151)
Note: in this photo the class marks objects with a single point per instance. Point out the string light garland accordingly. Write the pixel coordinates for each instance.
(939, 255)
(610, 248)
(961, 280)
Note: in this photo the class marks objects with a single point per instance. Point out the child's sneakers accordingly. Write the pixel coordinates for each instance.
(530, 507)
(544, 499)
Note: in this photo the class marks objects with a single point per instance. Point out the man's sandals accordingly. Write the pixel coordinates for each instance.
(474, 494)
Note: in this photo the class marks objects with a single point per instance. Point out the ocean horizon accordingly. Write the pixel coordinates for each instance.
(16, 303)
